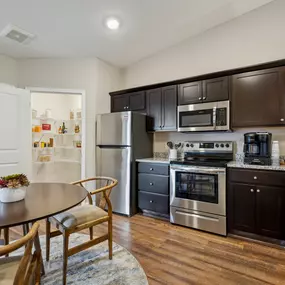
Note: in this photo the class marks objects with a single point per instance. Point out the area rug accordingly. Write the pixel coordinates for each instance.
(91, 266)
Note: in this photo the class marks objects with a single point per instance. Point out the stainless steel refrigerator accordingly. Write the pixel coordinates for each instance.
(121, 139)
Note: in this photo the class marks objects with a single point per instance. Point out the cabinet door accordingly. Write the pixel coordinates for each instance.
(241, 207)
(169, 108)
(270, 211)
(190, 93)
(216, 89)
(119, 103)
(256, 98)
(137, 101)
(154, 108)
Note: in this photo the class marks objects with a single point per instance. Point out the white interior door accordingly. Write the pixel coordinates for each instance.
(15, 131)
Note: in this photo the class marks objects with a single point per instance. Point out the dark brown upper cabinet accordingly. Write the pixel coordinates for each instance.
(216, 89)
(258, 98)
(119, 103)
(154, 108)
(190, 93)
(128, 102)
(210, 90)
(162, 108)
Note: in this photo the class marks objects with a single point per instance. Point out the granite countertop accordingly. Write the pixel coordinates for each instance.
(154, 160)
(261, 167)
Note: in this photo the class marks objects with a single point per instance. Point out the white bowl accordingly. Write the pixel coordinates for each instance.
(9, 195)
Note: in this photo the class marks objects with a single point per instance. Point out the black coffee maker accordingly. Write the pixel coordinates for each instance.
(257, 148)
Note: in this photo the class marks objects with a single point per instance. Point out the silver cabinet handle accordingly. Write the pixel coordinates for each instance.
(151, 201)
(125, 108)
(251, 190)
(150, 183)
(204, 98)
(257, 190)
(200, 98)
(282, 120)
(151, 169)
(255, 177)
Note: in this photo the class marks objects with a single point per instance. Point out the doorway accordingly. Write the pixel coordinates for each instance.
(58, 135)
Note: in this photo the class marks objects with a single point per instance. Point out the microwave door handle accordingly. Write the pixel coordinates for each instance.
(214, 117)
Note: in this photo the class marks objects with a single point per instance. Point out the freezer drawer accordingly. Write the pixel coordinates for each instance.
(116, 163)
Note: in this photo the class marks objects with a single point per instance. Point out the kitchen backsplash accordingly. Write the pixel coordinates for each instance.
(160, 139)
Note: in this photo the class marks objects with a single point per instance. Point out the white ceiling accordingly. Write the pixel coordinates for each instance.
(74, 28)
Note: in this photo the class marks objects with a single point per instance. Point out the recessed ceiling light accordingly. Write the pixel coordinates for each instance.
(112, 23)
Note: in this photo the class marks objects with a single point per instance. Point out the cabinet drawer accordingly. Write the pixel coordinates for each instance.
(154, 168)
(259, 177)
(154, 183)
(154, 202)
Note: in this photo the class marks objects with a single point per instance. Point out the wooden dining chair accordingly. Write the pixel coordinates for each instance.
(21, 270)
(83, 217)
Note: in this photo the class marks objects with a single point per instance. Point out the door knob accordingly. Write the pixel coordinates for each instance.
(251, 190)
(257, 190)
(204, 98)
(254, 177)
(150, 183)
(151, 201)
(125, 108)
(200, 98)
(282, 120)
(151, 169)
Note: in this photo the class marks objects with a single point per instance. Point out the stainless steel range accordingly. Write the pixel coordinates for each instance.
(198, 186)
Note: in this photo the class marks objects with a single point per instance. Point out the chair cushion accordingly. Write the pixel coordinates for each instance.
(80, 215)
(8, 269)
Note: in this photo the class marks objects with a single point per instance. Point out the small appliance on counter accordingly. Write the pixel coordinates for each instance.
(257, 148)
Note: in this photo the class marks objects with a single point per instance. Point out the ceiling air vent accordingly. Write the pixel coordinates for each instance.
(16, 34)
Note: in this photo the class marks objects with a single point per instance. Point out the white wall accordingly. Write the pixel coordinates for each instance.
(8, 70)
(92, 75)
(253, 38)
(60, 104)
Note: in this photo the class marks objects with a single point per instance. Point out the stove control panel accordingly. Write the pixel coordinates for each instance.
(221, 146)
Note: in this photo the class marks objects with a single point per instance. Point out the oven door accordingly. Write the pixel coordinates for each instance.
(198, 188)
(197, 117)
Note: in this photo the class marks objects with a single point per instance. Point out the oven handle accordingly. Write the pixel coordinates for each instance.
(197, 170)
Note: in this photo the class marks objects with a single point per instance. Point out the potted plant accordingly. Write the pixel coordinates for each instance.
(13, 187)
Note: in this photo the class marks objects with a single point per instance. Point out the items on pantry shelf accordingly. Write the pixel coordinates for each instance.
(71, 114)
(34, 113)
(44, 158)
(78, 114)
(48, 113)
(46, 127)
(36, 144)
(51, 142)
(60, 130)
(77, 129)
(64, 128)
(38, 129)
(77, 144)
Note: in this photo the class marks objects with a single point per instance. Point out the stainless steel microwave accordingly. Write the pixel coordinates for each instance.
(213, 116)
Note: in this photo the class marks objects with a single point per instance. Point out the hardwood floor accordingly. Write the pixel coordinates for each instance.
(176, 255)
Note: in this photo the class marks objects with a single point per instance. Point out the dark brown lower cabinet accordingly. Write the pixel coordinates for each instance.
(256, 208)
(270, 210)
(241, 207)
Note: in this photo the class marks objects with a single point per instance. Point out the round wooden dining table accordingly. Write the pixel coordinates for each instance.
(42, 201)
